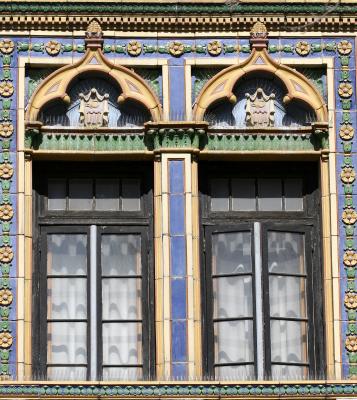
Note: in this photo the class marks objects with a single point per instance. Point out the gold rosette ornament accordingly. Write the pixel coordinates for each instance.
(6, 171)
(302, 48)
(347, 132)
(344, 47)
(53, 47)
(6, 89)
(345, 90)
(348, 175)
(134, 48)
(176, 48)
(351, 301)
(5, 297)
(6, 129)
(214, 48)
(6, 254)
(349, 216)
(6, 212)
(350, 258)
(7, 46)
(351, 343)
(5, 340)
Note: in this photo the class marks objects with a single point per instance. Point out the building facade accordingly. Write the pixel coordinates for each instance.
(178, 199)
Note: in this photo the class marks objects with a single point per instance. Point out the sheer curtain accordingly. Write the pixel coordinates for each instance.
(67, 305)
(287, 296)
(232, 293)
(121, 301)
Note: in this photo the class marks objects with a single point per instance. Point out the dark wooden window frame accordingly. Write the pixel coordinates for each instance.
(307, 220)
(79, 222)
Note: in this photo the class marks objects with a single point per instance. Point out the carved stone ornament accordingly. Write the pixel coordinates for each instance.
(259, 30)
(93, 109)
(260, 109)
(94, 30)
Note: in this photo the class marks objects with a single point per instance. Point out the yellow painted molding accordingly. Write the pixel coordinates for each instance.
(221, 86)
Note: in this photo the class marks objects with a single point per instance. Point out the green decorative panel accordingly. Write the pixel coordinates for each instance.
(153, 77)
(200, 76)
(86, 142)
(254, 142)
(34, 76)
(317, 76)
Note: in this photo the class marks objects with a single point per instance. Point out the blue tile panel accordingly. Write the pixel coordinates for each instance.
(178, 256)
(178, 283)
(177, 92)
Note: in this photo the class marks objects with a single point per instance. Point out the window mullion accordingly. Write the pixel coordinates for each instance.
(92, 351)
(259, 316)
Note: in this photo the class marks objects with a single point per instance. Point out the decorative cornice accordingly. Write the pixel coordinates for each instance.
(267, 139)
(178, 17)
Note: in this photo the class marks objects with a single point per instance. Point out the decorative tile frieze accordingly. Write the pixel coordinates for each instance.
(215, 390)
(177, 48)
(7, 210)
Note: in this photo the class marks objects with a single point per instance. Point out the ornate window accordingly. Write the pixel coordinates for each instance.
(262, 274)
(93, 273)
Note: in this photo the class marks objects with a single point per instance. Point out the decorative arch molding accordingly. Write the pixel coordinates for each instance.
(56, 85)
(221, 86)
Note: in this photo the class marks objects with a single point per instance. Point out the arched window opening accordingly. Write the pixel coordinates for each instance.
(94, 102)
(258, 102)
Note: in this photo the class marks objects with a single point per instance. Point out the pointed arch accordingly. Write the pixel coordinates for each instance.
(55, 86)
(221, 86)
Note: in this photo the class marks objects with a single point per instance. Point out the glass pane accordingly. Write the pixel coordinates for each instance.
(289, 372)
(56, 194)
(66, 298)
(270, 195)
(130, 195)
(231, 253)
(107, 194)
(121, 298)
(233, 297)
(80, 194)
(67, 373)
(287, 296)
(122, 374)
(293, 195)
(288, 341)
(121, 254)
(234, 341)
(220, 195)
(243, 195)
(122, 343)
(66, 254)
(235, 373)
(286, 252)
(66, 342)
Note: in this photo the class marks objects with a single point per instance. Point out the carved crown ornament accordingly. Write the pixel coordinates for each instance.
(93, 111)
(259, 106)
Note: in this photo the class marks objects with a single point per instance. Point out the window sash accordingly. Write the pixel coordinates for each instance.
(261, 315)
(94, 321)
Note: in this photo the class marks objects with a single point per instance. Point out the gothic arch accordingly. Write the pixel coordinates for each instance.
(55, 86)
(221, 86)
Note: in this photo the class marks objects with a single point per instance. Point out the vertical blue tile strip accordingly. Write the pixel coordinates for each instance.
(178, 284)
(177, 91)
